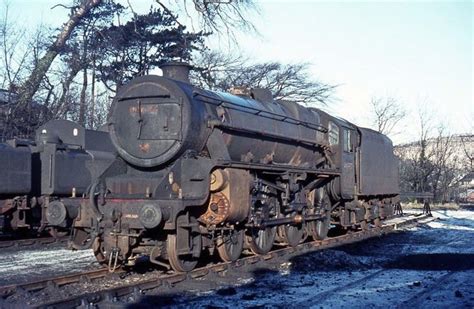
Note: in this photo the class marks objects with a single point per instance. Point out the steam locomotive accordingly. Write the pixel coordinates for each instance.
(42, 181)
(203, 170)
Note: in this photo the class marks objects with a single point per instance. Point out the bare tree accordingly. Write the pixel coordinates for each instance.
(212, 67)
(444, 160)
(432, 163)
(217, 16)
(286, 81)
(416, 166)
(467, 142)
(18, 54)
(58, 85)
(32, 83)
(423, 166)
(13, 56)
(387, 114)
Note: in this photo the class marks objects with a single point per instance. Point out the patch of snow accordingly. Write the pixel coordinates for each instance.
(27, 265)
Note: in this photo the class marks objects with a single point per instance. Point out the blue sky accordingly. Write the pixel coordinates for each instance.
(418, 51)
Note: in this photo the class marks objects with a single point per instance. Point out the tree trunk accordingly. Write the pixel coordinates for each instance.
(31, 85)
(92, 108)
(66, 85)
(82, 103)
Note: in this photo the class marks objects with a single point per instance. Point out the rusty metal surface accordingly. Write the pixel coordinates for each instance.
(230, 200)
(217, 210)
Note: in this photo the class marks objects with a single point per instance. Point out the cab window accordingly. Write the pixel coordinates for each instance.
(347, 140)
(333, 133)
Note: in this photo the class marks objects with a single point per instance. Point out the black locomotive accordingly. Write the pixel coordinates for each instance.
(42, 181)
(203, 170)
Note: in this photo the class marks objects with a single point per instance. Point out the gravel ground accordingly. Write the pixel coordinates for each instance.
(430, 266)
(427, 266)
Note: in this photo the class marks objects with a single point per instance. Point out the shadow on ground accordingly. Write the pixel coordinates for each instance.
(433, 261)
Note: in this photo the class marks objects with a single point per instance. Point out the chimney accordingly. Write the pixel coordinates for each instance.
(176, 70)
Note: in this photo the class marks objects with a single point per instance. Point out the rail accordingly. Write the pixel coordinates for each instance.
(162, 279)
(22, 243)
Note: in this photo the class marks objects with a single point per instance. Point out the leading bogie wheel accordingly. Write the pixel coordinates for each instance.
(185, 244)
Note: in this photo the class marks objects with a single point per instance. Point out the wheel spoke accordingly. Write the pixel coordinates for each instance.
(292, 234)
(322, 204)
(261, 241)
(230, 245)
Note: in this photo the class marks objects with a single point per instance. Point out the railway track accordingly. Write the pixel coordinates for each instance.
(417, 299)
(321, 297)
(22, 243)
(168, 279)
